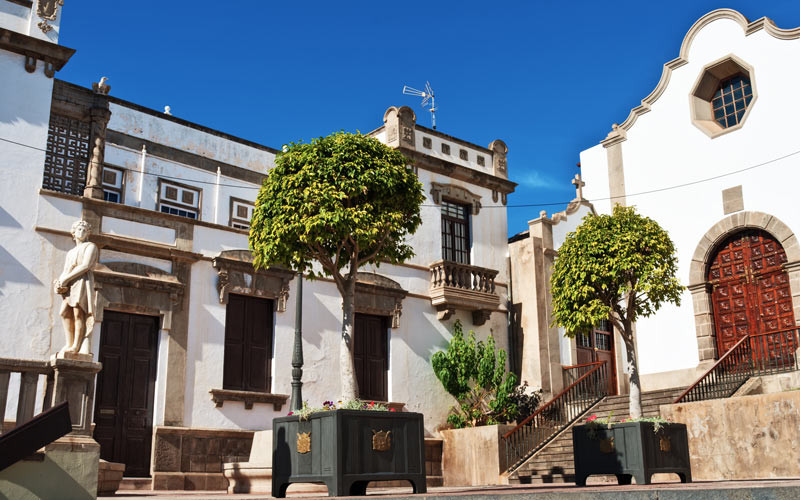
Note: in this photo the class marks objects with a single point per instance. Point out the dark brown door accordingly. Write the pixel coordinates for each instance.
(248, 343)
(750, 288)
(371, 355)
(123, 413)
(599, 346)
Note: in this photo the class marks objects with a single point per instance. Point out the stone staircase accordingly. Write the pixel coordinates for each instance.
(554, 463)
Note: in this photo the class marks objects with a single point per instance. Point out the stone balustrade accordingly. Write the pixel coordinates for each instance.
(30, 370)
(462, 286)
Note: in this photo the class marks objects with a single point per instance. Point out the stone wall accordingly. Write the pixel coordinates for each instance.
(473, 456)
(749, 437)
(191, 459)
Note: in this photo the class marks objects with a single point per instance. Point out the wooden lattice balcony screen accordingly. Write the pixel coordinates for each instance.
(67, 156)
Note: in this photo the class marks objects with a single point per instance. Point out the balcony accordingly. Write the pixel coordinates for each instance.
(465, 287)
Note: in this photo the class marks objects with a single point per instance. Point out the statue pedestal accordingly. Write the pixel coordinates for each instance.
(73, 381)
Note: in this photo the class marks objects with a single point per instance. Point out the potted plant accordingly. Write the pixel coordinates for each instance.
(346, 446)
(618, 267)
(633, 448)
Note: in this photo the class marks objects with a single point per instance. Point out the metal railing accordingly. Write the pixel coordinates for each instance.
(30, 371)
(572, 373)
(752, 355)
(554, 416)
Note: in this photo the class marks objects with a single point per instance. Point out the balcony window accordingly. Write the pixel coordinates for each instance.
(455, 232)
(241, 213)
(112, 184)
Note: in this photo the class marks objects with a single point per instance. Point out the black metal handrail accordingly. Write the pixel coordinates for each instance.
(572, 373)
(752, 355)
(554, 416)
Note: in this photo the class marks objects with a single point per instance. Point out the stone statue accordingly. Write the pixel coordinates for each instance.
(76, 286)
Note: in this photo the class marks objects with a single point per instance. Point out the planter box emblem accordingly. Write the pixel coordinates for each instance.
(665, 444)
(381, 440)
(303, 442)
(606, 445)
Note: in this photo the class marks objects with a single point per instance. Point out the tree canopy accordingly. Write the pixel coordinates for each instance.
(342, 199)
(608, 260)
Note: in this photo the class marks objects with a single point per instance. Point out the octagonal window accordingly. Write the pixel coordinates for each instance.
(731, 100)
(723, 96)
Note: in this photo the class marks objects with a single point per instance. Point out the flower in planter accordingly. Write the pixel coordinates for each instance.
(591, 419)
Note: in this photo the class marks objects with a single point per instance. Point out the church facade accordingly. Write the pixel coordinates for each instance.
(196, 344)
(712, 156)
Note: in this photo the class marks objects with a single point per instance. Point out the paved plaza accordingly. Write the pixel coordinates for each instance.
(779, 489)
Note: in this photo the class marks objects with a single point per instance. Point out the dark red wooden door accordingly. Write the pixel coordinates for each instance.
(751, 293)
(123, 414)
(599, 346)
(371, 356)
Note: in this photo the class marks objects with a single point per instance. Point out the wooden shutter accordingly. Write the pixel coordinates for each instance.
(248, 344)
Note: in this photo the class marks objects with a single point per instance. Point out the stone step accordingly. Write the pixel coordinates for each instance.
(136, 483)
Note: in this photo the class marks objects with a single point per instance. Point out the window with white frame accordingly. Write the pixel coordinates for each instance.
(241, 213)
(112, 184)
(178, 199)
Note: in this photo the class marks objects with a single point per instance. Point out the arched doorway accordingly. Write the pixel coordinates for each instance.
(750, 287)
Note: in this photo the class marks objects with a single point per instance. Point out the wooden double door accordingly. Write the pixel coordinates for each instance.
(598, 345)
(123, 414)
(750, 288)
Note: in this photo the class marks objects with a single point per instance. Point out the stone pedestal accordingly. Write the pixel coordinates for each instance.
(109, 477)
(73, 381)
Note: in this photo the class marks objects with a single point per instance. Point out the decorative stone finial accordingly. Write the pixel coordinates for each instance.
(76, 287)
(167, 110)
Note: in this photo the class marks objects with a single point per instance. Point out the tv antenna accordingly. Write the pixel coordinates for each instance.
(427, 98)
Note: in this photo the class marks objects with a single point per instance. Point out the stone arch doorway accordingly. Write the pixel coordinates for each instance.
(711, 245)
(750, 292)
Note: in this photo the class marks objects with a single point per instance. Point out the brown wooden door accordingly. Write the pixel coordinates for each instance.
(123, 413)
(750, 288)
(248, 343)
(599, 346)
(371, 356)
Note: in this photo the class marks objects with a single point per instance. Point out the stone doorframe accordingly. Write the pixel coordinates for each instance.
(701, 289)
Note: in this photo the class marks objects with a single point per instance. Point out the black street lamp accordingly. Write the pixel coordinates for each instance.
(297, 356)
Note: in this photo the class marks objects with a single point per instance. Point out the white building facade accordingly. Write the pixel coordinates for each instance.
(196, 344)
(712, 155)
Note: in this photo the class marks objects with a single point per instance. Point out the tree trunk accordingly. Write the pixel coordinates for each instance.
(635, 401)
(347, 370)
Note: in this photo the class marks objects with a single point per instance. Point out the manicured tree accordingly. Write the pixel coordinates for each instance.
(618, 267)
(344, 201)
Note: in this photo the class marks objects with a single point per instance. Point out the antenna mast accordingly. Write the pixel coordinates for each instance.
(427, 99)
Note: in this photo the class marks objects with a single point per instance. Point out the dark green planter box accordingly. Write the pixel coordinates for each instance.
(636, 451)
(343, 453)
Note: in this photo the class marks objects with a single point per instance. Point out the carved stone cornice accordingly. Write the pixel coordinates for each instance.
(53, 55)
(236, 274)
(459, 172)
(379, 295)
(139, 277)
(455, 193)
(461, 286)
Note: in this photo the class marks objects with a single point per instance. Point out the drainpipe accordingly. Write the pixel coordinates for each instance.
(512, 346)
(216, 197)
(141, 173)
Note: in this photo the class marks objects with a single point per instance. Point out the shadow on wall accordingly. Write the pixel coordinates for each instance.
(12, 271)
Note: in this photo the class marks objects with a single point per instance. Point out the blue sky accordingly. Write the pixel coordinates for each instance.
(549, 78)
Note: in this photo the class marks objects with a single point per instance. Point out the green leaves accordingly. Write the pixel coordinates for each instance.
(474, 373)
(343, 200)
(618, 266)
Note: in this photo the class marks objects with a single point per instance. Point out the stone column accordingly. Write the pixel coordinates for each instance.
(73, 381)
(100, 114)
(77, 453)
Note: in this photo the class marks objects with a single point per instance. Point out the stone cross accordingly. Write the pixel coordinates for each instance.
(578, 187)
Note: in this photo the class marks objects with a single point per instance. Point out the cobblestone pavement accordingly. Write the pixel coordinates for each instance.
(778, 489)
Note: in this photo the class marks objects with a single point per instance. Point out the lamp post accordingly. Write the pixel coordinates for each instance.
(297, 356)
